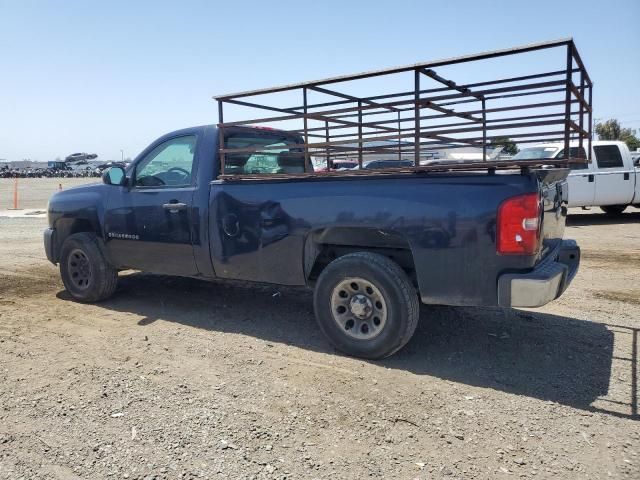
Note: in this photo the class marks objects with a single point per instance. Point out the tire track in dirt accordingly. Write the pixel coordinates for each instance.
(28, 282)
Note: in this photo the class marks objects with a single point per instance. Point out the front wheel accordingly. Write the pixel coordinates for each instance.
(85, 272)
(366, 305)
(613, 209)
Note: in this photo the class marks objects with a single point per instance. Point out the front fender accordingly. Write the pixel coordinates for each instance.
(79, 209)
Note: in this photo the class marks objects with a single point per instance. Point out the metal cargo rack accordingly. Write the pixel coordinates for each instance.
(426, 112)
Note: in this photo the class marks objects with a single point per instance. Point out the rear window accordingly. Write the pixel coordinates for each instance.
(608, 156)
(575, 152)
(273, 153)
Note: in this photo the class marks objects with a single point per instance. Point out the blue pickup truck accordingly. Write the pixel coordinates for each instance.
(239, 201)
(370, 246)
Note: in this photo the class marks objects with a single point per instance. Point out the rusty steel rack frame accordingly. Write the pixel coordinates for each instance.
(347, 127)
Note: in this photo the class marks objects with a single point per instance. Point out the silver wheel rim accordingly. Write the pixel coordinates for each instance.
(358, 307)
(79, 269)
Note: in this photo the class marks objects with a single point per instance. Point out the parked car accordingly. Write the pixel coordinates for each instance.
(77, 157)
(380, 164)
(611, 181)
(339, 165)
(370, 246)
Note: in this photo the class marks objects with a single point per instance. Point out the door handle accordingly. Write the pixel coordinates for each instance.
(174, 207)
(626, 175)
(591, 178)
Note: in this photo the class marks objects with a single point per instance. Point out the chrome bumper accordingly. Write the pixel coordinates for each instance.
(546, 282)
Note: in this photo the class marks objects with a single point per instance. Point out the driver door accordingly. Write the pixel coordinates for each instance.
(149, 222)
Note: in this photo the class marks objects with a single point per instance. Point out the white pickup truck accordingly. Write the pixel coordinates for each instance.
(611, 181)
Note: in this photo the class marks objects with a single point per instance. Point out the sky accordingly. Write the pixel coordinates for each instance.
(110, 77)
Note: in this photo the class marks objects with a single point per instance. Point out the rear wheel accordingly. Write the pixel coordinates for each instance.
(613, 209)
(85, 272)
(366, 305)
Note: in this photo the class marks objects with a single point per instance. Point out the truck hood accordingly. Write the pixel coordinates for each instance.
(75, 201)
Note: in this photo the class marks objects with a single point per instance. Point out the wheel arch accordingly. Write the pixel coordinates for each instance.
(67, 226)
(323, 245)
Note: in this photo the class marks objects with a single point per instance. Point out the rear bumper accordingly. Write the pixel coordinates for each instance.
(546, 282)
(49, 245)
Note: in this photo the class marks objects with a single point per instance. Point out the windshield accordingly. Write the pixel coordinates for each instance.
(535, 153)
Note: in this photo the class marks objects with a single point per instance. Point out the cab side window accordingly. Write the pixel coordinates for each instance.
(274, 153)
(608, 156)
(170, 164)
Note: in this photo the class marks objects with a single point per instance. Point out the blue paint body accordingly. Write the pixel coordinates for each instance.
(274, 231)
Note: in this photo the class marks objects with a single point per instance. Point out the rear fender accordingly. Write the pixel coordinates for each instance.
(325, 244)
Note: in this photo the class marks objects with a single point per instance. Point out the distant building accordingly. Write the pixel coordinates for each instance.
(21, 164)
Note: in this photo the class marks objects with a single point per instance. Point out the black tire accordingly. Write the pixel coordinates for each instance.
(398, 297)
(85, 272)
(613, 209)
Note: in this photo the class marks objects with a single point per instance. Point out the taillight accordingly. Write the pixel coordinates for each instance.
(518, 225)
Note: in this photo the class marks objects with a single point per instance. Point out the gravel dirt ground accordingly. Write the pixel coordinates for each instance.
(177, 378)
(33, 193)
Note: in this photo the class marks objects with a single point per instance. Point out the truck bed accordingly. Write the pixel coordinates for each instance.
(445, 222)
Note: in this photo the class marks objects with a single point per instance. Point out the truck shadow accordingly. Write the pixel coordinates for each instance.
(540, 355)
(599, 218)
(544, 356)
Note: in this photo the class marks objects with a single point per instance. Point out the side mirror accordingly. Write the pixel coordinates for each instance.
(114, 176)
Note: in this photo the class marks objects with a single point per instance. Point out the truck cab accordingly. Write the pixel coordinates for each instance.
(609, 181)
